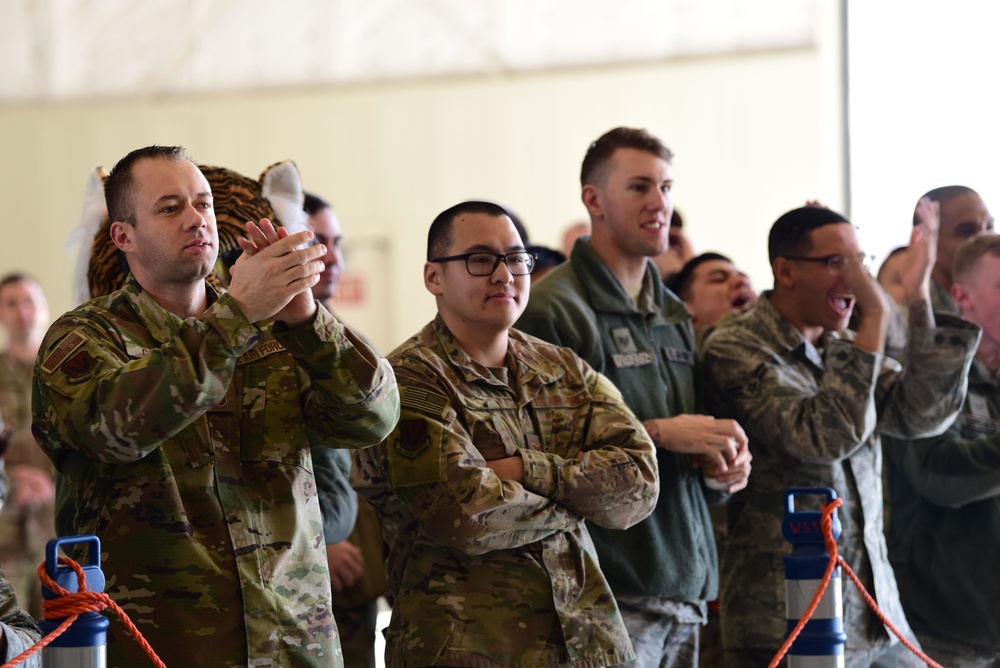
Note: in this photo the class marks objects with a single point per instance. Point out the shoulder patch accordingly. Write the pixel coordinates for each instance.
(411, 440)
(62, 351)
(423, 401)
(80, 366)
(415, 453)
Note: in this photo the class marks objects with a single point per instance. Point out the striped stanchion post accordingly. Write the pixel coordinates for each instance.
(820, 644)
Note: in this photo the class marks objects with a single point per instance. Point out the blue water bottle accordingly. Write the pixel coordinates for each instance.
(821, 641)
(84, 643)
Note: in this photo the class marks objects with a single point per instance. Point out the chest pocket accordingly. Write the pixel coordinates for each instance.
(564, 420)
(271, 425)
(492, 423)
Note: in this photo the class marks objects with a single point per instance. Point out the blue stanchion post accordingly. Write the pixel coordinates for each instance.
(84, 643)
(821, 642)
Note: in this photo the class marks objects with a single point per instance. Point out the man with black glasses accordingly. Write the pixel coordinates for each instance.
(505, 445)
(814, 397)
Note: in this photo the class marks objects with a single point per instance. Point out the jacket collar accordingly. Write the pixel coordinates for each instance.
(159, 322)
(605, 292)
(531, 371)
(785, 333)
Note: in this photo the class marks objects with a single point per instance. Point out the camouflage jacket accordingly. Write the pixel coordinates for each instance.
(944, 538)
(17, 626)
(813, 417)
(185, 446)
(487, 572)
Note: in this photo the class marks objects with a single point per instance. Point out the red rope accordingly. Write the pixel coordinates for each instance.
(71, 606)
(826, 522)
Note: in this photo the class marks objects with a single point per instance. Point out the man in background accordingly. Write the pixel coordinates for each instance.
(944, 538)
(712, 287)
(27, 521)
(356, 558)
(964, 215)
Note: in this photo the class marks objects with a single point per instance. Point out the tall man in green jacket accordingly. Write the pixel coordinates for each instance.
(182, 420)
(944, 492)
(608, 304)
(506, 444)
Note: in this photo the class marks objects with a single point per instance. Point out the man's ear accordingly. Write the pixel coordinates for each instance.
(432, 277)
(961, 295)
(591, 198)
(782, 270)
(123, 236)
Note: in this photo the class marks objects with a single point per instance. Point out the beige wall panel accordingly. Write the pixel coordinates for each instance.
(750, 136)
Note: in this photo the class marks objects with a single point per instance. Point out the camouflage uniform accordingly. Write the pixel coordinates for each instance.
(17, 626)
(487, 572)
(24, 528)
(185, 444)
(663, 569)
(813, 416)
(944, 541)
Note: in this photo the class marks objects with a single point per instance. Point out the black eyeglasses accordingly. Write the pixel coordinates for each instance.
(520, 263)
(834, 263)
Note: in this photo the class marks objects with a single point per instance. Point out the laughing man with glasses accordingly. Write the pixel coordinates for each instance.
(814, 398)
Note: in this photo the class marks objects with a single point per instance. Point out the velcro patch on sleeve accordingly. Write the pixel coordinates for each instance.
(423, 401)
(415, 453)
(65, 348)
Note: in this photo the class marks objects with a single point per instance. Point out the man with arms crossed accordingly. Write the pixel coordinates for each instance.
(182, 420)
(608, 304)
(505, 445)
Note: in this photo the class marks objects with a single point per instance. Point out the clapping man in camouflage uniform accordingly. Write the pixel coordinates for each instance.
(505, 445)
(964, 215)
(814, 397)
(182, 418)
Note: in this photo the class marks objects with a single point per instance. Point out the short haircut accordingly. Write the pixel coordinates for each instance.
(893, 253)
(944, 194)
(680, 283)
(971, 253)
(16, 277)
(313, 204)
(676, 220)
(598, 157)
(546, 257)
(119, 185)
(789, 235)
(439, 236)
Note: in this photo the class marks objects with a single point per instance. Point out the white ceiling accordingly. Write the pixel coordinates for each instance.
(73, 49)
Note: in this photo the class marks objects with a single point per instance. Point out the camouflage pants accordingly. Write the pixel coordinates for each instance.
(959, 654)
(660, 641)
